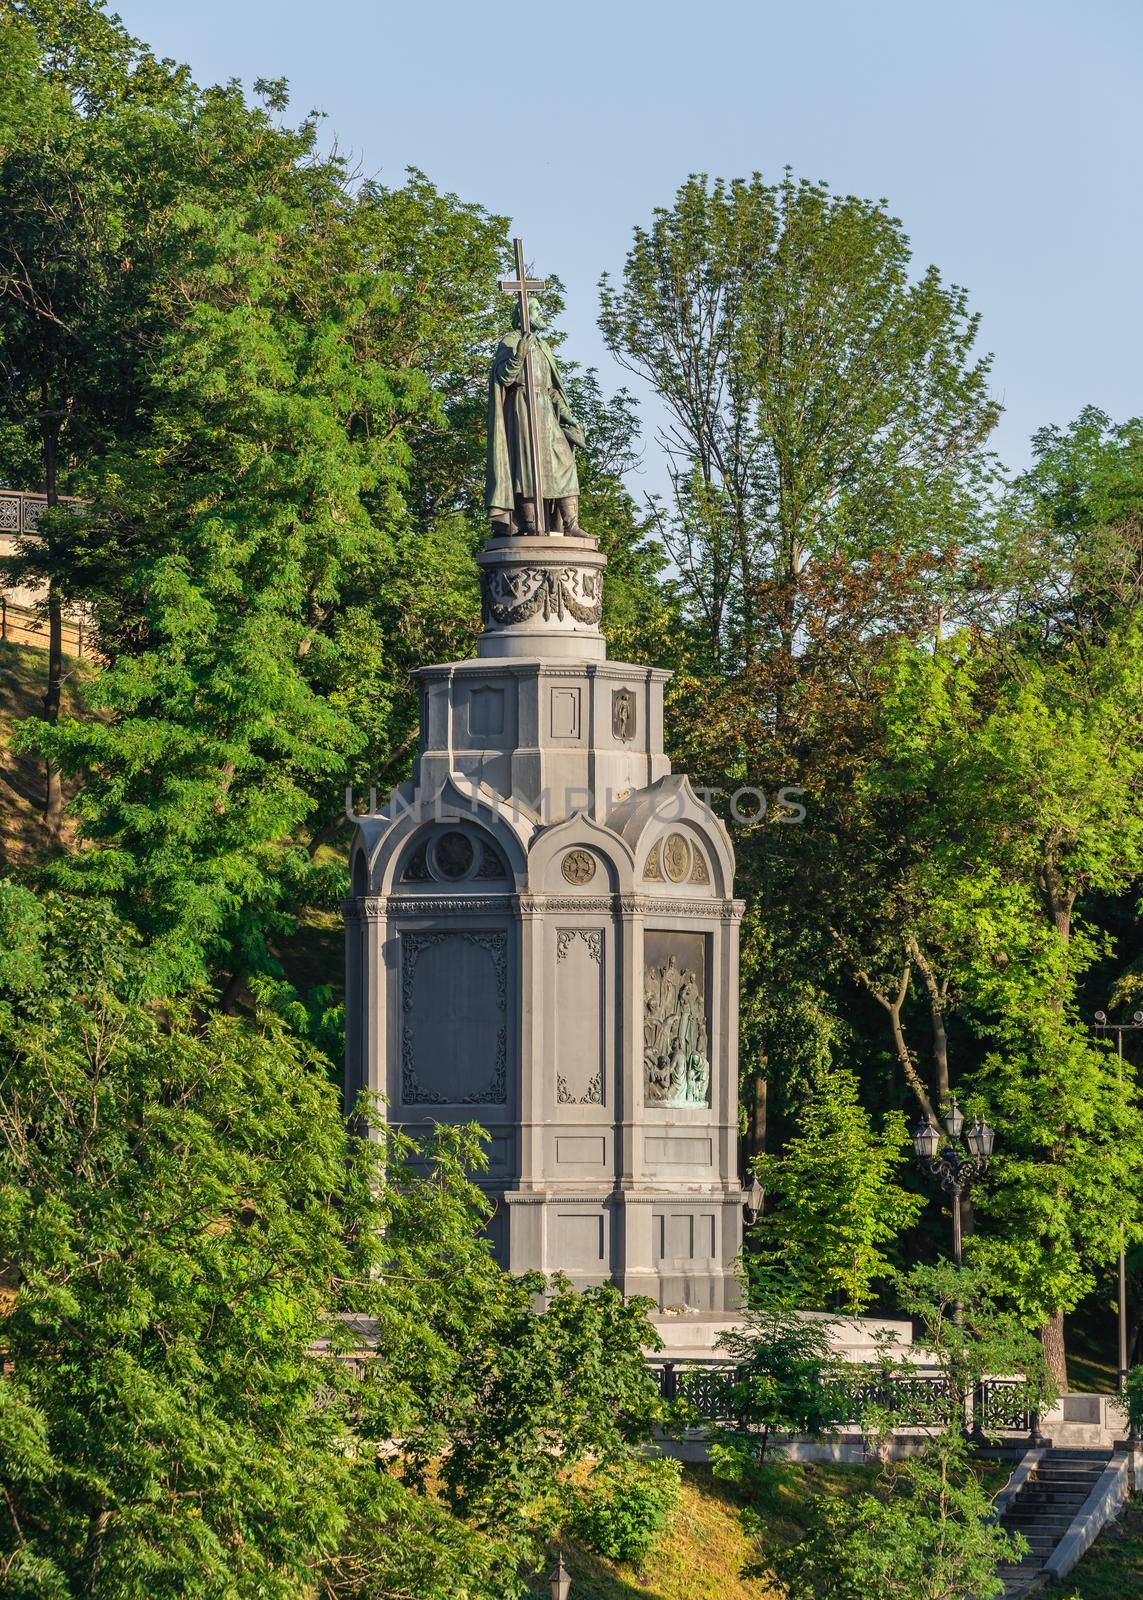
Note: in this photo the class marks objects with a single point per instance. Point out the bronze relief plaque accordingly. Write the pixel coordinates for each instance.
(623, 715)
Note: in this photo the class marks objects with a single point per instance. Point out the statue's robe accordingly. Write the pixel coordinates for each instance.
(509, 465)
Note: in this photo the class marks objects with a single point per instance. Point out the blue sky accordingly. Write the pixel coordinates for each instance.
(1006, 135)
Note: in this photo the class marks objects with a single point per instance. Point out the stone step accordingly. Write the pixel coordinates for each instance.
(1042, 1495)
(1070, 1485)
(1064, 1482)
(1044, 1502)
(1019, 1516)
(1059, 1524)
(1044, 1510)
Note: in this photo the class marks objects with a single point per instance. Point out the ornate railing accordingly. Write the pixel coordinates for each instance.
(916, 1399)
(21, 621)
(21, 512)
(1005, 1405)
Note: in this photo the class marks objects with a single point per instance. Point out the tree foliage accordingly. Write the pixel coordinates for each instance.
(189, 1238)
(838, 1201)
(817, 395)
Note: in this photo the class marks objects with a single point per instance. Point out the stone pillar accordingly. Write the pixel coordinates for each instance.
(543, 938)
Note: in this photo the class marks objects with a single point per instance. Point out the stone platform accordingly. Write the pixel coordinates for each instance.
(695, 1337)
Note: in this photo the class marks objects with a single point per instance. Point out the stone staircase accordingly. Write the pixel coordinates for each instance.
(1044, 1509)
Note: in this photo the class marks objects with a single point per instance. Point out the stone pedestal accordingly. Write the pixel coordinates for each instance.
(543, 938)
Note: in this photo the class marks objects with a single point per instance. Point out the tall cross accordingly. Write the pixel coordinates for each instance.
(523, 286)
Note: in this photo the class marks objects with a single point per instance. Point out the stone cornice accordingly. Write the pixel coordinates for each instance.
(673, 1196)
(535, 666)
(376, 908)
(458, 905)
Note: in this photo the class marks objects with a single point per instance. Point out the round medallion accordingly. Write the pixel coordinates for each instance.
(579, 866)
(453, 855)
(676, 857)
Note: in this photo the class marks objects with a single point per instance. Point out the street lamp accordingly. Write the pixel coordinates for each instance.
(980, 1138)
(1119, 1029)
(953, 1167)
(754, 1201)
(561, 1580)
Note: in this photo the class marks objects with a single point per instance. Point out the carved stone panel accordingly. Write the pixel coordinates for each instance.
(578, 866)
(516, 595)
(566, 713)
(580, 1016)
(486, 712)
(454, 1018)
(454, 856)
(580, 1240)
(676, 1048)
(677, 857)
(623, 715)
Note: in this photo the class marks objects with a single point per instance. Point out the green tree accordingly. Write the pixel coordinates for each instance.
(927, 1529)
(926, 1535)
(828, 417)
(838, 1205)
(289, 358)
(182, 1216)
(820, 401)
(782, 1379)
(80, 188)
(1027, 765)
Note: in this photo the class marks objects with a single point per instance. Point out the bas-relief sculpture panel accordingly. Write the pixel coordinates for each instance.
(676, 1048)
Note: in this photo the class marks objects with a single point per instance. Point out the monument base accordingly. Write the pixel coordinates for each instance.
(543, 939)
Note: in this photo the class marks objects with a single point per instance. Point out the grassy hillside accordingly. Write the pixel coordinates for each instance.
(23, 679)
(1113, 1567)
(705, 1546)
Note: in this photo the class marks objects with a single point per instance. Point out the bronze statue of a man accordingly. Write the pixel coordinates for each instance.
(509, 492)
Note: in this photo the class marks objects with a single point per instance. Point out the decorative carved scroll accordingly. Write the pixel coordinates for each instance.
(652, 867)
(592, 1095)
(592, 937)
(511, 595)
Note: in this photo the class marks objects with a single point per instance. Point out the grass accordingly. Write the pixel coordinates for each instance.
(1113, 1568)
(705, 1546)
(23, 679)
(1091, 1339)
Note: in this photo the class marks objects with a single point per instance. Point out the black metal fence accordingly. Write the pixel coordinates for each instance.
(916, 1399)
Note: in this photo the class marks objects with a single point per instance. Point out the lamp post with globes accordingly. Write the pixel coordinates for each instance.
(1119, 1029)
(947, 1160)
